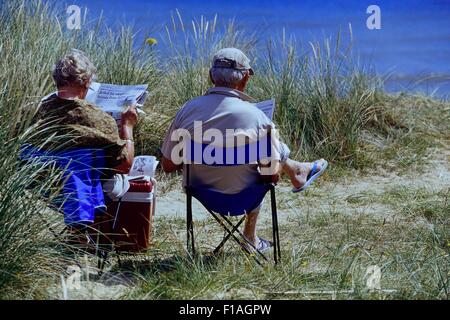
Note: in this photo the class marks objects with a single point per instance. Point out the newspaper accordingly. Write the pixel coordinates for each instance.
(112, 98)
(143, 166)
(267, 106)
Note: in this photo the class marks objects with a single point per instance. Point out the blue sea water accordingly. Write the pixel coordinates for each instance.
(413, 44)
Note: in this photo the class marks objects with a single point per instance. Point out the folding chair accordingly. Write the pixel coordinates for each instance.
(80, 166)
(223, 206)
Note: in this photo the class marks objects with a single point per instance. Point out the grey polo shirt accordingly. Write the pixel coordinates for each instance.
(220, 108)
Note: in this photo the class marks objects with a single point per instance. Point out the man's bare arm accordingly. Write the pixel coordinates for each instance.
(275, 171)
(168, 166)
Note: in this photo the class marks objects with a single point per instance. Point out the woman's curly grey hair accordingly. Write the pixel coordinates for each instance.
(74, 68)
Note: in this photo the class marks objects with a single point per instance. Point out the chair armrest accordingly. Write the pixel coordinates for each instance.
(270, 179)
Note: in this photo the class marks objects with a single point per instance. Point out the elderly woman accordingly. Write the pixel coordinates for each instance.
(89, 140)
(87, 125)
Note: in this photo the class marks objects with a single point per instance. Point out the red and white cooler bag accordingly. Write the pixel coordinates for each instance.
(129, 219)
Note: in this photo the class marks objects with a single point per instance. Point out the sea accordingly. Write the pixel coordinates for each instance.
(408, 41)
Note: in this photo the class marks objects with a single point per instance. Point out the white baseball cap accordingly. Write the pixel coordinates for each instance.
(232, 58)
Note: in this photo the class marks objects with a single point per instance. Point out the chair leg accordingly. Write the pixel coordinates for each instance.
(236, 238)
(244, 238)
(190, 227)
(225, 239)
(276, 236)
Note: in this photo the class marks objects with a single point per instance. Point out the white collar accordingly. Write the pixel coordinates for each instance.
(231, 93)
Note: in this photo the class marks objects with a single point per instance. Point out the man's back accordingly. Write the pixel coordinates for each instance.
(221, 109)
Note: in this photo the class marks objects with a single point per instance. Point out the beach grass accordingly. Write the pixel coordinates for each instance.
(327, 106)
(28, 252)
(326, 255)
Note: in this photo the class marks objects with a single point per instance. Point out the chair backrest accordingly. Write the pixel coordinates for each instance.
(208, 154)
(77, 159)
(235, 204)
(82, 192)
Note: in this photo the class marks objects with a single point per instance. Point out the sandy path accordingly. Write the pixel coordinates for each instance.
(331, 195)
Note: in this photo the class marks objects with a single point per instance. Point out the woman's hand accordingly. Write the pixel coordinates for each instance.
(129, 117)
(127, 123)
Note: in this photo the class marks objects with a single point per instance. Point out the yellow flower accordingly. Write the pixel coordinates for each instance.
(151, 41)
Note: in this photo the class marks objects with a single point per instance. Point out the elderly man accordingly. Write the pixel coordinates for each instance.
(226, 106)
